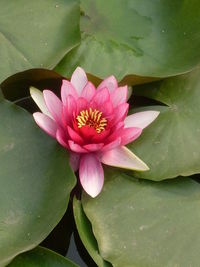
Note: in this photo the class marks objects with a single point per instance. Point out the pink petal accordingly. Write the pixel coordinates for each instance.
(54, 105)
(82, 104)
(128, 135)
(93, 147)
(122, 157)
(141, 119)
(120, 112)
(119, 95)
(91, 174)
(75, 136)
(101, 97)
(110, 83)
(79, 80)
(88, 91)
(74, 160)
(106, 108)
(46, 123)
(62, 138)
(112, 145)
(69, 109)
(76, 148)
(66, 90)
(100, 137)
(87, 133)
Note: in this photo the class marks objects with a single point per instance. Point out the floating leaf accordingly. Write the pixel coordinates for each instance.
(41, 257)
(84, 229)
(144, 223)
(35, 182)
(170, 146)
(36, 33)
(144, 38)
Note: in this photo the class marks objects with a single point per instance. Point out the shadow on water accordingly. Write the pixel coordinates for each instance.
(64, 239)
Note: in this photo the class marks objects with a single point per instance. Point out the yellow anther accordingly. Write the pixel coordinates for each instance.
(92, 118)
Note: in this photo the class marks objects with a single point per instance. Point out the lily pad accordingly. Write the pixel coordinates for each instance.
(85, 231)
(142, 37)
(35, 182)
(41, 257)
(17, 86)
(36, 33)
(170, 145)
(144, 223)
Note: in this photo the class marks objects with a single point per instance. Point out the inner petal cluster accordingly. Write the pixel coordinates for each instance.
(92, 118)
(91, 123)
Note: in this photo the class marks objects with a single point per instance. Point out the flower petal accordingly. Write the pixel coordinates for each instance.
(79, 80)
(75, 136)
(128, 135)
(88, 91)
(76, 148)
(91, 174)
(74, 160)
(107, 109)
(119, 95)
(82, 104)
(110, 83)
(120, 113)
(101, 97)
(141, 119)
(38, 97)
(67, 89)
(112, 145)
(46, 123)
(93, 147)
(122, 157)
(68, 110)
(54, 105)
(62, 138)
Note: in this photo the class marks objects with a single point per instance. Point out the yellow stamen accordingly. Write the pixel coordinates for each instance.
(92, 118)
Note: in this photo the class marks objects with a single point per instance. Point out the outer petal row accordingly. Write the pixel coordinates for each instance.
(122, 157)
(141, 119)
(38, 97)
(46, 123)
(79, 80)
(91, 174)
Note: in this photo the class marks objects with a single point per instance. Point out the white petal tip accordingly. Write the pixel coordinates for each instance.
(35, 93)
(91, 175)
(93, 194)
(141, 119)
(144, 168)
(122, 157)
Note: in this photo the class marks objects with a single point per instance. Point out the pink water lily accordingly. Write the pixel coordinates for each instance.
(92, 123)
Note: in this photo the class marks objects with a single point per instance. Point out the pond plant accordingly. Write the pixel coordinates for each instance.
(100, 133)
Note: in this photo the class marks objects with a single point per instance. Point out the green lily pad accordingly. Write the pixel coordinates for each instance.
(85, 231)
(144, 223)
(17, 86)
(35, 182)
(36, 33)
(170, 145)
(41, 257)
(142, 37)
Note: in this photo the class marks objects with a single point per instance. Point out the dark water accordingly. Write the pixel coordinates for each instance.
(64, 239)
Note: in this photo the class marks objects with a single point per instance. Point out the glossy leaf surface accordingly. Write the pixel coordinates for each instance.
(85, 231)
(144, 223)
(41, 257)
(36, 33)
(170, 145)
(35, 182)
(142, 37)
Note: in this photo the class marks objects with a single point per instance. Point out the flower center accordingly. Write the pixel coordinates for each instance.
(92, 118)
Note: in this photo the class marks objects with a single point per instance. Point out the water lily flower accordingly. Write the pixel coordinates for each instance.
(92, 123)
